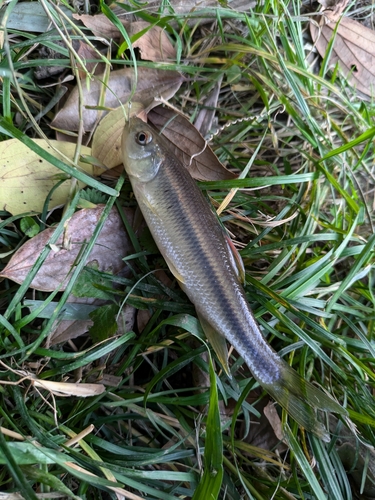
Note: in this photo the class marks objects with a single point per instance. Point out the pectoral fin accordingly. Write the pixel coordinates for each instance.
(237, 262)
(174, 271)
(150, 206)
(217, 341)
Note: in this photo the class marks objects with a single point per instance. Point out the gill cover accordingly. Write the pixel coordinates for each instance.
(142, 155)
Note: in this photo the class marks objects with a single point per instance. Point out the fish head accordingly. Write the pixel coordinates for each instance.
(141, 150)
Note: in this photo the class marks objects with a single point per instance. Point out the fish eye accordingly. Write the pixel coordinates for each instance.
(143, 138)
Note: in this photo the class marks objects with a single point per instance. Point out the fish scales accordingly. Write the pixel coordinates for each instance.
(183, 225)
(196, 250)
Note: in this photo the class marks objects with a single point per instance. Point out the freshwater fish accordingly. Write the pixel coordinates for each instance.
(197, 252)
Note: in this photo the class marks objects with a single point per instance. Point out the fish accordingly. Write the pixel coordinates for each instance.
(197, 251)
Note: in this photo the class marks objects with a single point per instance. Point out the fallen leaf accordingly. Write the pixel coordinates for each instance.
(109, 380)
(90, 284)
(87, 53)
(112, 175)
(188, 145)
(265, 433)
(110, 248)
(100, 25)
(353, 49)
(29, 226)
(154, 45)
(106, 144)
(75, 319)
(143, 317)
(26, 178)
(273, 418)
(151, 84)
(191, 8)
(336, 6)
(70, 329)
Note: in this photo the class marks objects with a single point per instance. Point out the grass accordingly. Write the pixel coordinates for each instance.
(303, 220)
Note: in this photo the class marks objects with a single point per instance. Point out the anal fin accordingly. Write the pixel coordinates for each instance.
(218, 342)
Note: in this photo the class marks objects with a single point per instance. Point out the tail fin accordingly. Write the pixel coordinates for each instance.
(299, 398)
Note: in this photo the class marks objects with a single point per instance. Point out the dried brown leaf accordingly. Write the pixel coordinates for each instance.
(70, 329)
(100, 25)
(336, 6)
(188, 145)
(126, 319)
(151, 84)
(154, 45)
(143, 317)
(273, 418)
(191, 7)
(113, 174)
(87, 53)
(109, 380)
(353, 50)
(266, 432)
(106, 144)
(109, 249)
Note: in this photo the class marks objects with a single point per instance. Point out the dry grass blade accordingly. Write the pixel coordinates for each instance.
(62, 389)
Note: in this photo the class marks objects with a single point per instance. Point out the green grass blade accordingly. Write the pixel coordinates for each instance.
(210, 483)
(15, 471)
(299, 455)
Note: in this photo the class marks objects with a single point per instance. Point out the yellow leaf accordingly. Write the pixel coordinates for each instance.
(26, 178)
(106, 143)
